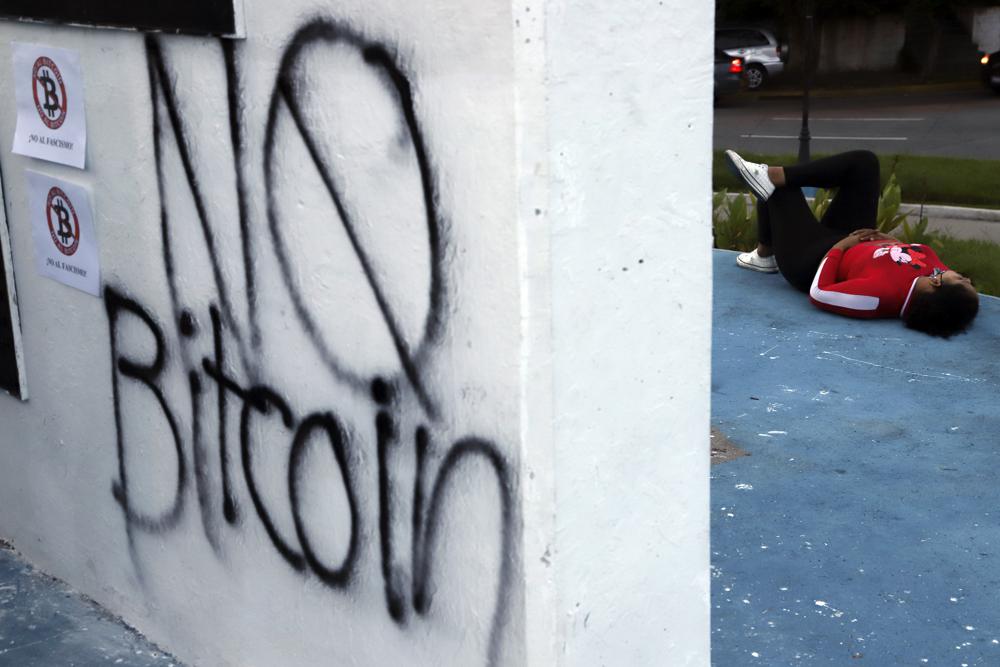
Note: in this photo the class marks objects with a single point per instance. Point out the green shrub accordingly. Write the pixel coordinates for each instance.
(734, 221)
(734, 218)
(888, 216)
(821, 201)
(891, 221)
(918, 234)
(734, 225)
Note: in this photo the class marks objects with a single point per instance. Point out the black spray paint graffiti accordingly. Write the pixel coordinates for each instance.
(233, 386)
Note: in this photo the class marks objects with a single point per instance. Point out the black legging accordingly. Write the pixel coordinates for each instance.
(786, 224)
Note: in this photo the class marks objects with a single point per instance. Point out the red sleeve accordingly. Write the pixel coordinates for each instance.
(855, 298)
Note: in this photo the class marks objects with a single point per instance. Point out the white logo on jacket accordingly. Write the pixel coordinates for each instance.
(901, 254)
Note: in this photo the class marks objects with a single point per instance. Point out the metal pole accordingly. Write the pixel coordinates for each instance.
(804, 133)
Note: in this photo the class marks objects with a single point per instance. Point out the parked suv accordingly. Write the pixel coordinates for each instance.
(727, 74)
(762, 55)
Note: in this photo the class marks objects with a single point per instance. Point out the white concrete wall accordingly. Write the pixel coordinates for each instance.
(436, 233)
(629, 122)
(432, 299)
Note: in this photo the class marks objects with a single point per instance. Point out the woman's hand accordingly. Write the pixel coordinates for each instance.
(875, 235)
(853, 239)
(861, 236)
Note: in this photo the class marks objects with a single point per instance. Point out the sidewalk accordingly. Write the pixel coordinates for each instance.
(43, 623)
(861, 528)
(958, 221)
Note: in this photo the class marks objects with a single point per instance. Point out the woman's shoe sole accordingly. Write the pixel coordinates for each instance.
(754, 267)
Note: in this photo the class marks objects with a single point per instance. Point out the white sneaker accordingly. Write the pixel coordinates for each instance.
(751, 173)
(754, 262)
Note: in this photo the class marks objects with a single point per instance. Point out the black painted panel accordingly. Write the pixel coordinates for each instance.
(9, 378)
(10, 374)
(200, 17)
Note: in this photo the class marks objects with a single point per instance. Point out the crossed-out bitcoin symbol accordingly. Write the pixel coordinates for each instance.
(47, 81)
(65, 232)
(51, 105)
(58, 206)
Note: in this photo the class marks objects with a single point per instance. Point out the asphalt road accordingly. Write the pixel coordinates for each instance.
(954, 124)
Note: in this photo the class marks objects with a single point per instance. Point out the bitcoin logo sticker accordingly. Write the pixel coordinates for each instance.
(64, 226)
(50, 93)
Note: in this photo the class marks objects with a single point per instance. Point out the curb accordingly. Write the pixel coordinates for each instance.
(953, 212)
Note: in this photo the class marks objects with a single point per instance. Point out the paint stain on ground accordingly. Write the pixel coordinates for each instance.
(723, 448)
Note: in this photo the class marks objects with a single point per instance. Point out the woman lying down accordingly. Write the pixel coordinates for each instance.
(846, 266)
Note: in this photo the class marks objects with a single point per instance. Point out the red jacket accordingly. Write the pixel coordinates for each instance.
(872, 279)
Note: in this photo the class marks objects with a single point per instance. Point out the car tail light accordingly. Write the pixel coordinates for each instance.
(735, 66)
(985, 59)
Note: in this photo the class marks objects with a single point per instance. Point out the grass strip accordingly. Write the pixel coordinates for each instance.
(922, 179)
(977, 259)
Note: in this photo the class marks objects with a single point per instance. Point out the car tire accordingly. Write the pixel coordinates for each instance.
(756, 76)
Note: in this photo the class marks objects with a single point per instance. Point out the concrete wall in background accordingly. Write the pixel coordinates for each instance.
(402, 351)
(986, 29)
(861, 44)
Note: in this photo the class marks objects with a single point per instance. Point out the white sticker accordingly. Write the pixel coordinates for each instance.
(51, 121)
(62, 225)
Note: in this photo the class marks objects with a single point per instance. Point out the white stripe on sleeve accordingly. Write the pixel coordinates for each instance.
(839, 299)
(908, 295)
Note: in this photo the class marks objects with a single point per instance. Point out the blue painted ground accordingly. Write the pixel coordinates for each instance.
(43, 623)
(864, 527)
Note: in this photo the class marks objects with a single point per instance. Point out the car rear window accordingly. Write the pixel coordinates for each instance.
(734, 39)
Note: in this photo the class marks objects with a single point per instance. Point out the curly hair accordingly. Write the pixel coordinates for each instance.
(945, 311)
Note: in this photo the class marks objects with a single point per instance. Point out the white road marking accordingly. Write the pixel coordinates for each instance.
(790, 136)
(854, 120)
